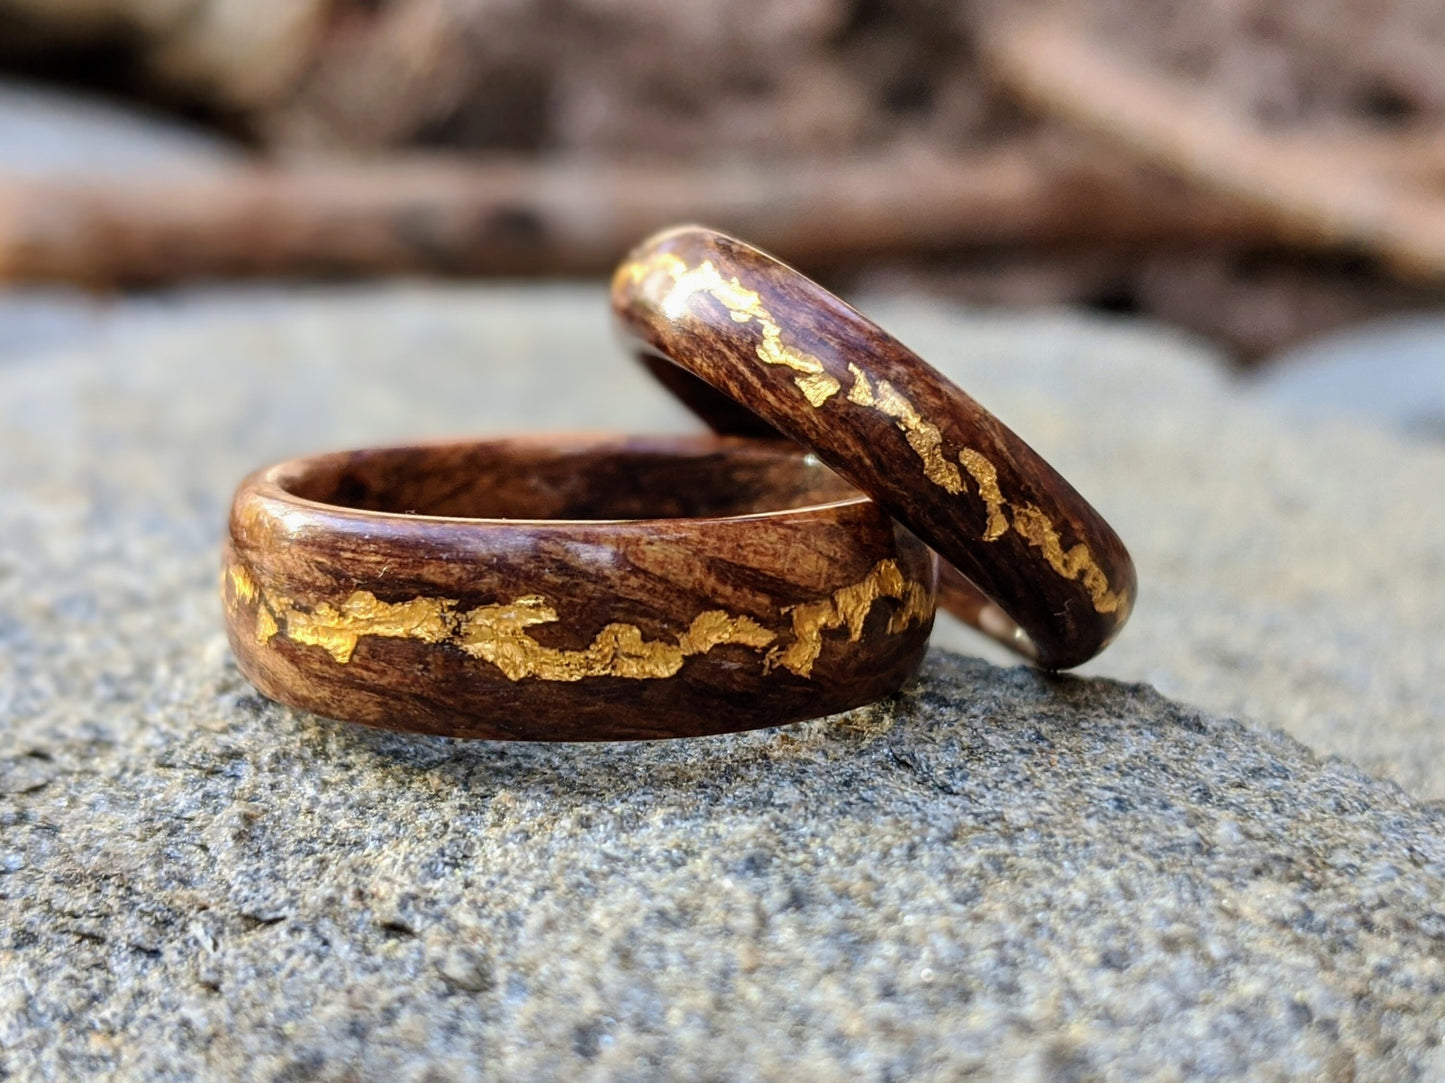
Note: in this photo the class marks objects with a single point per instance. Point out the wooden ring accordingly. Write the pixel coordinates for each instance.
(572, 588)
(1037, 567)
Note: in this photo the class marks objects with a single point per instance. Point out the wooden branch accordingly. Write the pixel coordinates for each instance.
(1318, 193)
(1410, 156)
(452, 216)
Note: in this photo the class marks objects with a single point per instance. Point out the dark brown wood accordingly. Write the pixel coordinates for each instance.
(572, 588)
(827, 377)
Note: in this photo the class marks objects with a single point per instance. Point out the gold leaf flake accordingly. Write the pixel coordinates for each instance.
(744, 306)
(242, 585)
(496, 633)
(266, 627)
(985, 476)
(336, 630)
(1078, 563)
(848, 607)
(861, 393)
(922, 436)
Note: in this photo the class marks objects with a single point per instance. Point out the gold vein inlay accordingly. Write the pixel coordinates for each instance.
(744, 306)
(922, 436)
(848, 607)
(1077, 563)
(498, 633)
(985, 476)
(1029, 521)
(242, 585)
(337, 629)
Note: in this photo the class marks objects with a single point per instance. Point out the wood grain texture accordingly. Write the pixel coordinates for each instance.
(572, 588)
(760, 334)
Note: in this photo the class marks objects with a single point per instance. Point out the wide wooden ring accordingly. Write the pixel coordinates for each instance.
(572, 588)
(1040, 569)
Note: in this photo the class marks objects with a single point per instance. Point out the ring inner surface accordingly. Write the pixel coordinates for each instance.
(502, 480)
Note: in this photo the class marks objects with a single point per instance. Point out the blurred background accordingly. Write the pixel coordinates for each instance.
(1267, 174)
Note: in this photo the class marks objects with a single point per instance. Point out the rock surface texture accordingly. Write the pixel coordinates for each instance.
(1001, 872)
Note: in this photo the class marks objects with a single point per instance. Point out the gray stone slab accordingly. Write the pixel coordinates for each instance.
(998, 872)
(1389, 372)
(48, 132)
(38, 319)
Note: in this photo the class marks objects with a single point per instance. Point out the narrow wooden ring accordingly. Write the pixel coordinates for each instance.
(572, 588)
(1036, 566)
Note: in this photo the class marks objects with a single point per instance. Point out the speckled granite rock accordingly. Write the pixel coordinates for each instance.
(1033, 878)
(1040, 879)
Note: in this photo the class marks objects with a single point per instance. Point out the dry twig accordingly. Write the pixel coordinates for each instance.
(1328, 192)
(515, 217)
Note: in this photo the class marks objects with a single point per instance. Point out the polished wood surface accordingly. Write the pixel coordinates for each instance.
(572, 588)
(762, 335)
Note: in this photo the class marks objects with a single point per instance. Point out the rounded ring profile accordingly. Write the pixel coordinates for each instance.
(572, 588)
(1038, 567)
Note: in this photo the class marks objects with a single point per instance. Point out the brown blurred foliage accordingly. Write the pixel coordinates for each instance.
(702, 78)
(781, 81)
